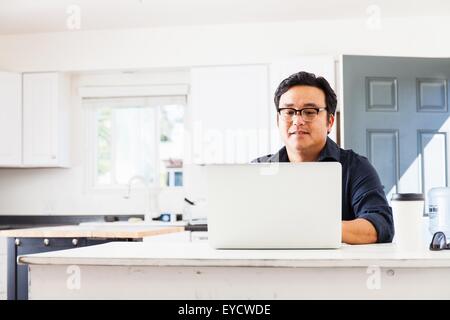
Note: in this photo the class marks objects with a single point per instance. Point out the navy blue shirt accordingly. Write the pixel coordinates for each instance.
(362, 192)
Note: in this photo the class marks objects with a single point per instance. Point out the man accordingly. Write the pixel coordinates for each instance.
(306, 105)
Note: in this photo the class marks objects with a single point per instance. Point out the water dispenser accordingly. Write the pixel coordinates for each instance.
(438, 210)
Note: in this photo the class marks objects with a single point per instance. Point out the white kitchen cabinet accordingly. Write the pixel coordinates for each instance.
(230, 113)
(46, 119)
(10, 119)
(34, 121)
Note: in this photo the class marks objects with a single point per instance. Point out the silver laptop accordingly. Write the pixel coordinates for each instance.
(274, 206)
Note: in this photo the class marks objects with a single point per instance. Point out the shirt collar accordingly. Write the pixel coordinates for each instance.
(331, 152)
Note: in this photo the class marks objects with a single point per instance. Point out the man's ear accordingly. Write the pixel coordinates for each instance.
(330, 122)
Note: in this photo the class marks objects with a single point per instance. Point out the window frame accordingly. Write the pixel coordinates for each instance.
(91, 139)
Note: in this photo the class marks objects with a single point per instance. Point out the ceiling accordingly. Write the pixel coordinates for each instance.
(37, 16)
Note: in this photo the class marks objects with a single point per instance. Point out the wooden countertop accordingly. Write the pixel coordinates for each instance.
(95, 230)
(201, 254)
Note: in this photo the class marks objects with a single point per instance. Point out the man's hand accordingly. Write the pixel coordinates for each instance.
(358, 231)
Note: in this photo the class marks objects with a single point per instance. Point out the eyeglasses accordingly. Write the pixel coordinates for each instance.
(307, 114)
(439, 242)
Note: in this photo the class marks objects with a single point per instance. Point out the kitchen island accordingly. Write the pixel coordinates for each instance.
(51, 238)
(193, 270)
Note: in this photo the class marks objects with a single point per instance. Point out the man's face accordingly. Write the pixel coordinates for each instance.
(297, 134)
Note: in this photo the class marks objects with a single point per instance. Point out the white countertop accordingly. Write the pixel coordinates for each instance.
(199, 253)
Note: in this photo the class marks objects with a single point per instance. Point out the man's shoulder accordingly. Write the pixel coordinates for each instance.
(267, 158)
(280, 156)
(354, 159)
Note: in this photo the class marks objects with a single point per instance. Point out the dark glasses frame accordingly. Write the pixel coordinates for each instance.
(439, 242)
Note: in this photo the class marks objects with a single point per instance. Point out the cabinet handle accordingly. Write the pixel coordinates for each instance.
(53, 157)
(17, 242)
(46, 242)
(74, 242)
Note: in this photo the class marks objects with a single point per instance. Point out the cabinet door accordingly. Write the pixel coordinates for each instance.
(40, 116)
(229, 113)
(10, 119)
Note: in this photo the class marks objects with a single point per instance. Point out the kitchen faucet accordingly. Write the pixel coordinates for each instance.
(153, 207)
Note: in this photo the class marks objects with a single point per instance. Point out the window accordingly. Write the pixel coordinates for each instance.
(171, 144)
(137, 137)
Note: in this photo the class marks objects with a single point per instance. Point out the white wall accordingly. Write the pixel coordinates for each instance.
(62, 191)
(224, 44)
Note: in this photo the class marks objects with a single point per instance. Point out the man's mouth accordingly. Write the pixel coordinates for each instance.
(298, 133)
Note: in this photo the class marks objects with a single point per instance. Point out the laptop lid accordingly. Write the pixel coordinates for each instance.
(274, 206)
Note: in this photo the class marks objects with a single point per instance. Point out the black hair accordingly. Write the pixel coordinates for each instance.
(303, 78)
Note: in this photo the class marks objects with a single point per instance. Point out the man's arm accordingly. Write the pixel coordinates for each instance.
(370, 205)
(358, 231)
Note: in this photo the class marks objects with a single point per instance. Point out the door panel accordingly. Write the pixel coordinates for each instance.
(40, 103)
(382, 152)
(433, 150)
(396, 112)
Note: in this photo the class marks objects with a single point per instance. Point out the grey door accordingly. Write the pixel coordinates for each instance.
(395, 112)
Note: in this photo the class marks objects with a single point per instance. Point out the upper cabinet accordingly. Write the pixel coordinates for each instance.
(10, 119)
(41, 135)
(46, 119)
(230, 114)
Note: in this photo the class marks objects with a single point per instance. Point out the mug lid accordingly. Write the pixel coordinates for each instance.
(407, 197)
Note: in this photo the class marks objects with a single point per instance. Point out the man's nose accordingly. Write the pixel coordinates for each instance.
(297, 119)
